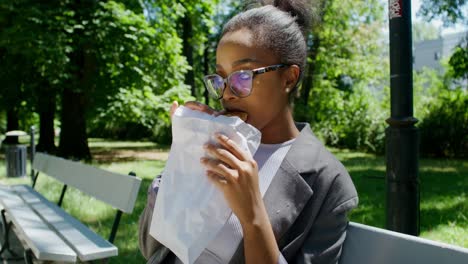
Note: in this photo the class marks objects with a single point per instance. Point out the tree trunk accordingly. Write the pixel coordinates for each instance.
(206, 72)
(73, 137)
(187, 49)
(12, 124)
(47, 105)
(301, 109)
(310, 71)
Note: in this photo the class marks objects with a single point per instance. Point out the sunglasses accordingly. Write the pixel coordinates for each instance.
(240, 82)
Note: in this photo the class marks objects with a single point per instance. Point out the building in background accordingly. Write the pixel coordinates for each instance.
(429, 53)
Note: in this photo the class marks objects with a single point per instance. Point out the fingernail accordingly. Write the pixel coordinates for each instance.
(202, 160)
(222, 137)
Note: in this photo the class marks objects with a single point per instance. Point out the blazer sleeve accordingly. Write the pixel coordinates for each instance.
(148, 245)
(324, 240)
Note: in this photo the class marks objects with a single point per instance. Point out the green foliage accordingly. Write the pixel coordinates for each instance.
(133, 69)
(352, 120)
(449, 11)
(458, 63)
(349, 73)
(444, 129)
(144, 70)
(427, 84)
(441, 110)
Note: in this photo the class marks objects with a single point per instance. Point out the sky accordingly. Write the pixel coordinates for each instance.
(453, 29)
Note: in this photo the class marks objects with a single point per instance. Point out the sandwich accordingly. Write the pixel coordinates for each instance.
(242, 115)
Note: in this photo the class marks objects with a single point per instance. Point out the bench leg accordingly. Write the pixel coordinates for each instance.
(6, 240)
(28, 257)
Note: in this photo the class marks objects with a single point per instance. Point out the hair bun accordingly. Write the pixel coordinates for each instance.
(300, 9)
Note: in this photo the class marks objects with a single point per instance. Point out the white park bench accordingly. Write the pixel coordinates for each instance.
(370, 245)
(47, 232)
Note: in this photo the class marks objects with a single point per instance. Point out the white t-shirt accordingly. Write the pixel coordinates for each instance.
(223, 247)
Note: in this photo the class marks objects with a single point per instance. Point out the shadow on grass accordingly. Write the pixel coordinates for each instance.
(455, 213)
(442, 191)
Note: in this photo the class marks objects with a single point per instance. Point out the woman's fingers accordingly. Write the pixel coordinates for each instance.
(217, 180)
(232, 147)
(219, 168)
(200, 107)
(174, 106)
(221, 154)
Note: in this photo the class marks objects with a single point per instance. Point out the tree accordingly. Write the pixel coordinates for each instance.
(34, 33)
(345, 72)
(96, 56)
(148, 76)
(195, 29)
(449, 11)
(458, 62)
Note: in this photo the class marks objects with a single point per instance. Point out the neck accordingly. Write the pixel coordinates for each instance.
(280, 129)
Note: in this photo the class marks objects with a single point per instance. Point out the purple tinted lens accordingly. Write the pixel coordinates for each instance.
(215, 85)
(241, 83)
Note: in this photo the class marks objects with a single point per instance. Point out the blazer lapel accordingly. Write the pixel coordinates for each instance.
(288, 192)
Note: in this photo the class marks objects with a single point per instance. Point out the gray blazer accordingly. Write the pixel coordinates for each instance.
(307, 203)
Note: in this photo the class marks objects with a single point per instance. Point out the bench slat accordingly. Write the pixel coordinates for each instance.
(87, 244)
(367, 244)
(43, 241)
(115, 189)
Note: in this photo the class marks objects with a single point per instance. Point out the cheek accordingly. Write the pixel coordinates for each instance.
(265, 101)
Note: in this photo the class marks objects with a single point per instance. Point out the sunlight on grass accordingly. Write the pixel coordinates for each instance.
(143, 169)
(444, 204)
(450, 233)
(102, 143)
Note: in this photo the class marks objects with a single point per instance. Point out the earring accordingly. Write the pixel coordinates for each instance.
(287, 90)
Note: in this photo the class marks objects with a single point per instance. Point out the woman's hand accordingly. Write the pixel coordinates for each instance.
(196, 106)
(235, 173)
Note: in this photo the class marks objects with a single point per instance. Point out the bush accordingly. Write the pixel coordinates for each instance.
(444, 130)
(346, 119)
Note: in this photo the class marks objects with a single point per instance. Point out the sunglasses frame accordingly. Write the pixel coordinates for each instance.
(227, 80)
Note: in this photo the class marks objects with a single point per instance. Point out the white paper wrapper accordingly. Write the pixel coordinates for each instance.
(189, 210)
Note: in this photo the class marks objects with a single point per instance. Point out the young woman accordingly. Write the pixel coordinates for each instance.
(290, 199)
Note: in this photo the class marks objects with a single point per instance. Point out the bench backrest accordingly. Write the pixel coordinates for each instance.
(366, 244)
(117, 190)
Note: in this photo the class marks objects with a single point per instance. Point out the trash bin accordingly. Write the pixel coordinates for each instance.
(15, 156)
(15, 160)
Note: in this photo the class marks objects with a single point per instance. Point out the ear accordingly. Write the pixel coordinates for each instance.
(291, 76)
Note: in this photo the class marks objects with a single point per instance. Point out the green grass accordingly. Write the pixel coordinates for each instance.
(443, 198)
(444, 205)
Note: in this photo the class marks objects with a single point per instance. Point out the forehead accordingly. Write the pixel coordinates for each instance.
(239, 47)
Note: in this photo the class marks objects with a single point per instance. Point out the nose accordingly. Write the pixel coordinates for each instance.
(228, 95)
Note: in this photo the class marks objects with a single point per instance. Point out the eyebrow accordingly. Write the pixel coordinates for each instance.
(241, 61)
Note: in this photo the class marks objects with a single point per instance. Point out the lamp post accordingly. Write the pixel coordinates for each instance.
(33, 150)
(402, 137)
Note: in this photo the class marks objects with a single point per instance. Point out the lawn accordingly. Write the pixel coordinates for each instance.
(444, 205)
